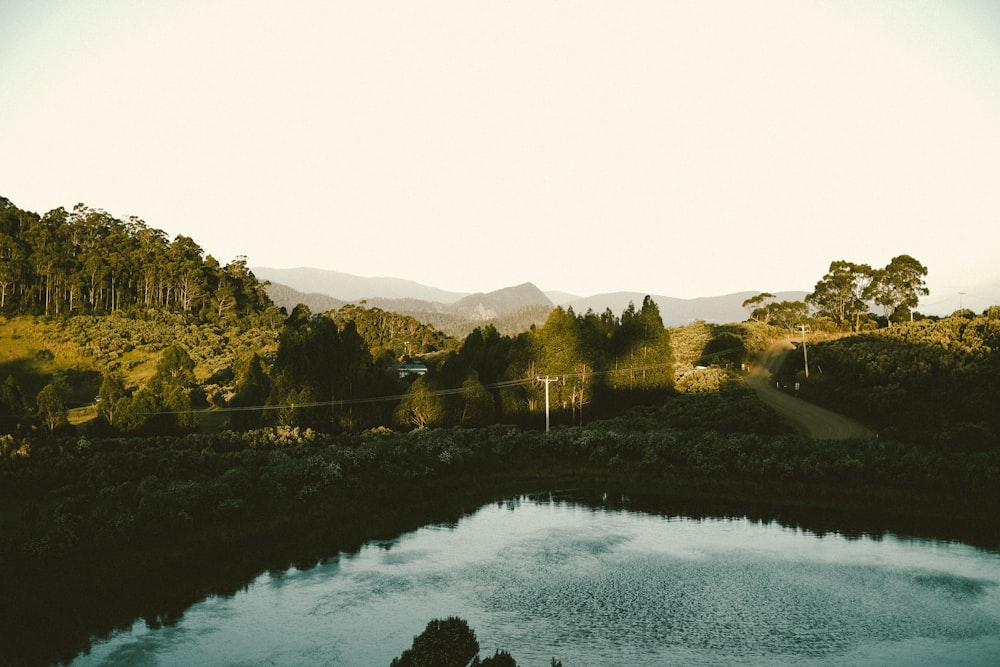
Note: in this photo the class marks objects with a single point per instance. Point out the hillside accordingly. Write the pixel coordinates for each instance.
(511, 310)
(347, 287)
(287, 297)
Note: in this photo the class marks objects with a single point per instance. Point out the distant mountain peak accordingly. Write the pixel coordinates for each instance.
(488, 306)
(324, 287)
(347, 287)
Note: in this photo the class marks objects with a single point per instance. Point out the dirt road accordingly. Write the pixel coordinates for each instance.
(813, 420)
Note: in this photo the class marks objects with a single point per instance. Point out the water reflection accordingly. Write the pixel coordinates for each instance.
(596, 583)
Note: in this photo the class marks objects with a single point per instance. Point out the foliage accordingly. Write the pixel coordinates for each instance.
(322, 374)
(70, 502)
(898, 287)
(13, 409)
(51, 409)
(708, 355)
(704, 379)
(844, 293)
(443, 643)
(841, 293)
(759, 307)
(933, 382)
(402, 336)
(593, 363)
(106, 493)
(86, 261)
(789, 314)
(450, 642)
(725, 349)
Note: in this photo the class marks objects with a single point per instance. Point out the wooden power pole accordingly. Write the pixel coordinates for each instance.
(805, 354)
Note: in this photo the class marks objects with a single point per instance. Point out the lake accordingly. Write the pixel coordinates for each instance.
(590, 583)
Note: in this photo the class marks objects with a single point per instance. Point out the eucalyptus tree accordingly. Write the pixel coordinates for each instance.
(64, 261)
(422, 406)
(841, 293)
(759, 307)
(43, 238)
(51, 408)
(186, 262)
(151, 252)
(789, 314)
(13, 267)
(122, 259)
(90, 230)
(899, 286)
(112, 390)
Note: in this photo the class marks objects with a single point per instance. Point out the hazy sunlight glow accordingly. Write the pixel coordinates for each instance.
(678, 148)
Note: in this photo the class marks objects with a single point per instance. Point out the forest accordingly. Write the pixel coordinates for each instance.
(158, 416)
(87, 261)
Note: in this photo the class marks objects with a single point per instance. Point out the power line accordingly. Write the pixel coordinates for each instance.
(399, 397)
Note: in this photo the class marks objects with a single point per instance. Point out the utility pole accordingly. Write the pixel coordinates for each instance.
(547, 380)
(805, 354)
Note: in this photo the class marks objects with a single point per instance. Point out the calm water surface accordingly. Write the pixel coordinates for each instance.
(547, 578)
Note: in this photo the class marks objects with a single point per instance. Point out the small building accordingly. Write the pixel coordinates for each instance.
(410, 370)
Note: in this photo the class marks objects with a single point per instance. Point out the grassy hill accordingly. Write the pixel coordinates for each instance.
(75, 353)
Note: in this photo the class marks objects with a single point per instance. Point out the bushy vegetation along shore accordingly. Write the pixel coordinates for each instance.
(83, 513)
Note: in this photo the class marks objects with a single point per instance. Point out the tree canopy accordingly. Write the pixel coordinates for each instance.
(87, 261)
(848, 289)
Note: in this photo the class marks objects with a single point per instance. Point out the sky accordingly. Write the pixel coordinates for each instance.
(677, 148)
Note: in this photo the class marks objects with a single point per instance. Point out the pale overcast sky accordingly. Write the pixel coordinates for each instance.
(679, 148)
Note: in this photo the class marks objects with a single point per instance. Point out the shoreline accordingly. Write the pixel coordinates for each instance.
(88, 596)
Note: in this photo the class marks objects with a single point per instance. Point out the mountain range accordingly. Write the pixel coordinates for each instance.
(511, 309)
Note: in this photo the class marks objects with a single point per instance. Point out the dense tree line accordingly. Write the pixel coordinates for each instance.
(87, 261)
(590, 362)
(327, 376)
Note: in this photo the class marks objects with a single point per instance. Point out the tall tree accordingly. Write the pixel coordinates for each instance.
(759, 307)
(642, 349)
(477, 403)
(186, 261)
(13, 407)
(840, 294)
(789, 314)
(51, 408)
(251, 391)
(171, 387)
(111, 392)
(898, 287)
(421, 406)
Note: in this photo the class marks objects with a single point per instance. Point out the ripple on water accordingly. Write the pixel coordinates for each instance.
(737, 604)
(603, 588)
